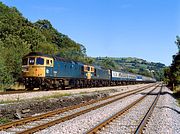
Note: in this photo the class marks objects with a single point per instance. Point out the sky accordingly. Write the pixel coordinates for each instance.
(145, 29)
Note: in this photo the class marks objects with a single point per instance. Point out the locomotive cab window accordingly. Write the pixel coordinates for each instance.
(31, 61)
(88, 68)
(47, 62)
(39, 61)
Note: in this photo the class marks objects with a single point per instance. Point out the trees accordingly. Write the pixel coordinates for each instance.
(5, 75)
(172, 74)
(167, 75)
(18, 36)
(178, 43)
(12, 49)
(175, 71)
(175, 66)
(108, 63)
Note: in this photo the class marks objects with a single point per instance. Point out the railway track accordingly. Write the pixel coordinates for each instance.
(9, 92)
(22, 91)
(28, 91)
(115, 123)
(16, 92)
(39, 122)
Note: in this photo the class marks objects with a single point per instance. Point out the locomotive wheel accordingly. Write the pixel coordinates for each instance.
(63, 87)
(43, 88)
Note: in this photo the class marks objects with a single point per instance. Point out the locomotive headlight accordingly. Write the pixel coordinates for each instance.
(24, 68)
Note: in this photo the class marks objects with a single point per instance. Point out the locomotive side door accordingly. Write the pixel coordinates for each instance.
(49, 62)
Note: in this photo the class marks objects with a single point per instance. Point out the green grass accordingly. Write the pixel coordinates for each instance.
(4, 120)
(2, 89)
(177, 89)
(83, 92)
(54, 96)
(39, 98)
(8, 101)
(178, 101)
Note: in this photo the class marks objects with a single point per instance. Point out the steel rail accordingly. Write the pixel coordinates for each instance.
(46, 125)
(51, 123)
(49, 114)
(22, 91)
(148, 114)
(12, 92)
(115, 116)
(58, 111)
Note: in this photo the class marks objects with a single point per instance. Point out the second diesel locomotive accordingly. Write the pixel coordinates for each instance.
(47, 71)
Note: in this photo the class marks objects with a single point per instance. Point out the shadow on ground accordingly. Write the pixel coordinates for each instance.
(171, 109)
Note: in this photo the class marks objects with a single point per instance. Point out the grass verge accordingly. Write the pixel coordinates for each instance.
(4, 120)
(39, 98)
(53, 96)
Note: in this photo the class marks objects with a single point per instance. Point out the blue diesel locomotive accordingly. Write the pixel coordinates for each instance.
(48, 72)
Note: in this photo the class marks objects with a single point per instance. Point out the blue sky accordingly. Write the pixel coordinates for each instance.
(144, 29)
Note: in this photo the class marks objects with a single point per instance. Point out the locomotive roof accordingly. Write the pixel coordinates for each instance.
(67, 60)
(55, 57)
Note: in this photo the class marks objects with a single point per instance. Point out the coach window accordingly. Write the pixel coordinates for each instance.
(39, 61)
(31, 60)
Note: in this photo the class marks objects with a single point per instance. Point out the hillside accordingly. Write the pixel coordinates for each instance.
(134, 65)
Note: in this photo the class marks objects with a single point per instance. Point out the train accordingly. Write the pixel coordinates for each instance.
(46, 72)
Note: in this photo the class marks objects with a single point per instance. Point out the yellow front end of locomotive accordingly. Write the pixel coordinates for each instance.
(33, 71)
(89, 70)
(35, 66)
